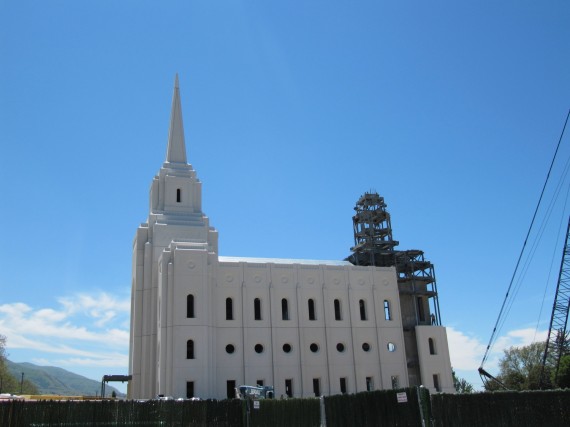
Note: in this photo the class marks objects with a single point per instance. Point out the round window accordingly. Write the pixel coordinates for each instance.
(314, 347)
(230, 349)
(366, 346)
(258, 348)
(340, 347)
(391, 347)
(287, 348)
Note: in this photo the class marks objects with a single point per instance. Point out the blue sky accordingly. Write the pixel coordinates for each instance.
(450, 110)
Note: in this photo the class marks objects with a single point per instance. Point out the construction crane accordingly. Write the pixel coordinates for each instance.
(559, 319)
(557, 330)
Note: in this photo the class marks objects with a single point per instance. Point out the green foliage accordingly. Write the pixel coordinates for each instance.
(461, 385)
(9, 383)
(2, 349)
(520, 369)
(563, 380)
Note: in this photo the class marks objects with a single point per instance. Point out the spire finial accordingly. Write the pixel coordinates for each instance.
(176, 152)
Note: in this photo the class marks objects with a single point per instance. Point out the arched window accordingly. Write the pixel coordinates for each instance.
(362, 306)
(189, 349)
(337, 312)
(190, 306)
(387, 314)
(312, 315)
(284, 309)
(431, 346)
(178, 195)
(229, 309)
(257, 309)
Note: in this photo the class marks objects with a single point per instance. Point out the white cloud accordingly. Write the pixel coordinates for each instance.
(102, 307)
(108, 361)
(78, 328)
(466, 351)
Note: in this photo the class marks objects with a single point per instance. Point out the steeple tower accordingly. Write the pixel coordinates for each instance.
(176, 190)
(176, 225)
(176, 152)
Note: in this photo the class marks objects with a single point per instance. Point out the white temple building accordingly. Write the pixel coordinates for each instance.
(202, 324)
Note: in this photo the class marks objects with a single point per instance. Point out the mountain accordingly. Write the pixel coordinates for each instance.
(53, 380)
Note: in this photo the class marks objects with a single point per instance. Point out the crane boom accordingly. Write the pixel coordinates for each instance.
(559, 319)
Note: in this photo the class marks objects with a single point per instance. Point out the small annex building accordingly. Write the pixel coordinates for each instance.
(203, 324)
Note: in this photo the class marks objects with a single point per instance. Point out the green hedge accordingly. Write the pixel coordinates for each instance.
(502, 408)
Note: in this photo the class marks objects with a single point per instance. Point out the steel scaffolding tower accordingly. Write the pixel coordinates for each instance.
(374, 245)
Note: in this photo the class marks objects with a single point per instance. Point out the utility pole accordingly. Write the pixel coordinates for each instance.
(22, 383)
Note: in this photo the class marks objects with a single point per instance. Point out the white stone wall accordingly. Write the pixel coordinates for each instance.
(434, 359)
(339, 343)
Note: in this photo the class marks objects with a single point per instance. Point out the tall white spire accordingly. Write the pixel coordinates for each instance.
(176, 152)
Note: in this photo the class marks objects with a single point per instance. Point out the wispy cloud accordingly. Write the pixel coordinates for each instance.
(88, 329)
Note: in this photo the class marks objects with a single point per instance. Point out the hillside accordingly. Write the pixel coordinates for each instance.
(53, 380)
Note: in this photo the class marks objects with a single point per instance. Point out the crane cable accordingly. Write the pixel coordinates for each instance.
(534, 246)
(491, 340)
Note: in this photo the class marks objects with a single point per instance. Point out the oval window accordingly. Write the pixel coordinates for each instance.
(287, 348)
(314, 347)
(230, 349)
(391, 347)
(258, 348)
(366, 346)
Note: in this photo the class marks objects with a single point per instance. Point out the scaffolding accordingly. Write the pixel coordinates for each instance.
(374, 245)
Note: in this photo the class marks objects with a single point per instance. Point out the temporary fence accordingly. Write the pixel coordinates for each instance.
(407, 407)
(282, 413)
(378, 408)
(504, 408)
(225, 413)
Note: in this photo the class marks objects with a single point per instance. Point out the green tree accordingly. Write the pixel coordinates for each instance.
(2, 350)
(520, 368)
(8, 383)
(461, 384)
(564, 372)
